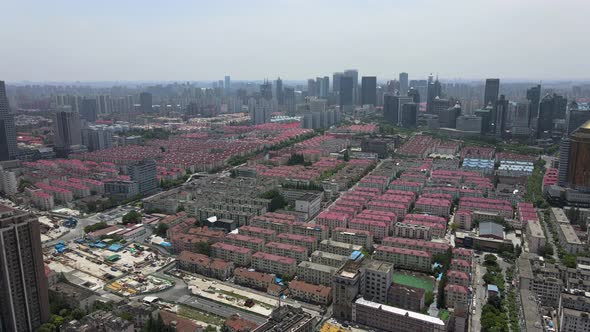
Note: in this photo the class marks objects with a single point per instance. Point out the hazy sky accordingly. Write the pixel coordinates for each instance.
(92, 40)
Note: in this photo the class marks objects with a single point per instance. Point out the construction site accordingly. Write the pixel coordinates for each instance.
(100, 263)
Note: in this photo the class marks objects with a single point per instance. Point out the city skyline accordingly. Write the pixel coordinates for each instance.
(61, 42)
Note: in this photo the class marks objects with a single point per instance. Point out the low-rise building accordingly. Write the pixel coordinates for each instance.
(568, 239)
(308, 242)
(315, 273)
(268, 235)
(412, 231)
(406, 297)
(353, 236)
(456, 296)
(253, 243)
(275, 264)
(326, 258)
(405, 258)
(573, 311)
(288, 319)
(239, 255)
(201, 264)
(299, 253)
(339, 248)
(535, 237)
(253, 279)
(391, 319)
(458, 278)
(316, 294)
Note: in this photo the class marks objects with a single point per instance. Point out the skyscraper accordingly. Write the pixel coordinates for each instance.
(311, 87)
(369, 90)
(409, 115)
(403, 84)
(89, 109)
(336, 82)
(491, 92)
(346, 91)
(227, 86)
(145, 102)
(66, 130)
(392, 107)
(415, 95)
(289, 96)
(501, 116)
(8, 147)
(266, 90)
(24, 301)
(551, 107)
(279, 91)
(534, 97)
(354, 74)
(578, 171)
(434, 90)
(324, 86)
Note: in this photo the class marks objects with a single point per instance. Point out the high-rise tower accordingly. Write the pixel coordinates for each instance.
(24, 301)
(8, 147)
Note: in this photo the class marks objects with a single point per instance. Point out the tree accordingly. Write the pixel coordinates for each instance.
(490, 257)
(132, 217)
(296, 159)
(77, 313)
(161, 230)
(47, 327)
(428, 299)
(569, 260)
(203, 248)
(346, 156)
(546, 250)
(573, 215)
(454, 227)
(57, 320)
(95, 227)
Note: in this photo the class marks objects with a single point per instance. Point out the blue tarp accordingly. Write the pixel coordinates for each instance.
(439, 277)
(355, 255)
(115, 247)
(165, 244)
(100, 245)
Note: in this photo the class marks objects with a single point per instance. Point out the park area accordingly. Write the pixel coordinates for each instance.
(415, 280)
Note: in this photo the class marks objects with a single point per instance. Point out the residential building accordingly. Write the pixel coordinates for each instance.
(253, 279)
(254, 243)
(24, 296)
(456, 296)
(145, 102)
(378, 276)
(317, 294)
(391, 319)
(573, 311)
(201, 264)
(404, 258)
(239, 255)
(358, 237)
(67, 131)
(315, 273)
(329, 259)
(406, 297)
(275, 264)
(369, 90)
(339, 248)
(268, 235)
(535, 236)
(145, 174)
(299, 253)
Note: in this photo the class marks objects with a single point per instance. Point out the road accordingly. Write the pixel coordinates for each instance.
(111, 217)
(478, 298)
(180, 294)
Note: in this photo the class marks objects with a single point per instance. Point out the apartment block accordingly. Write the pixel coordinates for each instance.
(456, 296)
(267, 235)
(253, 243)
(299, 253)
(378, 276)
(239, 255)
(433, 248)
(406, 297)
(535, 236)
(315, 273)
(201, 264)
(405, 258)
(253, 279)
(353, 236)
(274, 264)
(308, 242)
(317, 294)
(458, 278)
(379, 229)
(412, 231)
(326, 258)
(339, 248)
(320, 232)
(391, 319)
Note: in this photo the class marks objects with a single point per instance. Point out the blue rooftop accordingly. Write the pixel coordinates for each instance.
(493, 288)
(356, 255)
